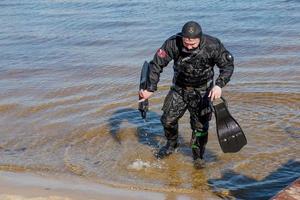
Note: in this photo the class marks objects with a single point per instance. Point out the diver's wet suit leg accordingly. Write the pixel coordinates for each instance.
(198, 143)
(199, 118)
(174, 108)
(199, 139)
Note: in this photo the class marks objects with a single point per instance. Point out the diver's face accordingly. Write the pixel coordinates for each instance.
(190, 43)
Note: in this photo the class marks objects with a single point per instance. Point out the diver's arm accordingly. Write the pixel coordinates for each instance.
(160, 60)
(224, 61)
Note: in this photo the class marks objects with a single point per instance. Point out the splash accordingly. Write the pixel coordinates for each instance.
(139, 164)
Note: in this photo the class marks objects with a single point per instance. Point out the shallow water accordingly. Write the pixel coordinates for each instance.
(68, 93)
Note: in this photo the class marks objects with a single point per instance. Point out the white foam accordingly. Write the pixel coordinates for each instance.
(138, 164)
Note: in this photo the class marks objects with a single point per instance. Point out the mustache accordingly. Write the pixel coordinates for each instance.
(190, 51)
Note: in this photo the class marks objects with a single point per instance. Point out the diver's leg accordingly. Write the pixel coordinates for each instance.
(199, 119)
(173, 109)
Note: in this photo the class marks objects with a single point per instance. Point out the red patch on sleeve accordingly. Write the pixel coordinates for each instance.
(161, 53)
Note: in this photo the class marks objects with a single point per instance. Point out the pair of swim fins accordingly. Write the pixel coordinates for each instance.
(230, 135)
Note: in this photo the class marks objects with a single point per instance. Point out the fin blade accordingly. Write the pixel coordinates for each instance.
(230, 135)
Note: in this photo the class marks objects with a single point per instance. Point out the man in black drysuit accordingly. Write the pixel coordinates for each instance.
(194, 55)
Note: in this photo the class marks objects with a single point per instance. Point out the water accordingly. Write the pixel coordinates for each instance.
(68, 93)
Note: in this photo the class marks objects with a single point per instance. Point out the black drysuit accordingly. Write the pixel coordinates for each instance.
(192, 81)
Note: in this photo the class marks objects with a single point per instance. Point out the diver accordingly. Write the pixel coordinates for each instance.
(194, 54)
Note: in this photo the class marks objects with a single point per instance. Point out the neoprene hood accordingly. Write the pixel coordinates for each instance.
(191, 29)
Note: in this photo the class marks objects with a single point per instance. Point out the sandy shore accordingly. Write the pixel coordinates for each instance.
(20, 186)
(27, 186)
(291, 192)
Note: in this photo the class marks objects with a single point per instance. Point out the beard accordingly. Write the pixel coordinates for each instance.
(190, 51)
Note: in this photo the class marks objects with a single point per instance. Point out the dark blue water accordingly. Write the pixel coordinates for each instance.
(68, 80)
(92, 33)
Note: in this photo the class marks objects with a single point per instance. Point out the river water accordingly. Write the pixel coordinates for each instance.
(69, 72)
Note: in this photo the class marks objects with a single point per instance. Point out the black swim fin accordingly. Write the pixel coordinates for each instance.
(230, 134)
(144, 81)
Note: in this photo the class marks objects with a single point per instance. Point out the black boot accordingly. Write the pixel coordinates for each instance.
(167, 149)
(198, 142)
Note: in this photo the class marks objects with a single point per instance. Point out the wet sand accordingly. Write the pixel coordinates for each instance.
(292, 192)
(27, 186)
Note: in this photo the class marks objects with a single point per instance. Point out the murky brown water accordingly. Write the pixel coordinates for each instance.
(85, 122)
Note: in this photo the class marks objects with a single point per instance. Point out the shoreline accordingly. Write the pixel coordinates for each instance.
(291, 192)
(30, 186)
(27, 186)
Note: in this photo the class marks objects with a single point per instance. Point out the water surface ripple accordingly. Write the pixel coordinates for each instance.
(68, 93)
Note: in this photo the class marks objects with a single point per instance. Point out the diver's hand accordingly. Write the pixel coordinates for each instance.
(144, 94)
(215, 93)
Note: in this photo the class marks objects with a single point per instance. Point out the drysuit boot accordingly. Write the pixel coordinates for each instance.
(167, 149)
(198, 142)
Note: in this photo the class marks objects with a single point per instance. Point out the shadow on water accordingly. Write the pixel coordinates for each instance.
(243, 187)
(149, 132)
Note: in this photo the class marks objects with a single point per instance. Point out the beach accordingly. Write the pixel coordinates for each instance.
(27, 186)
